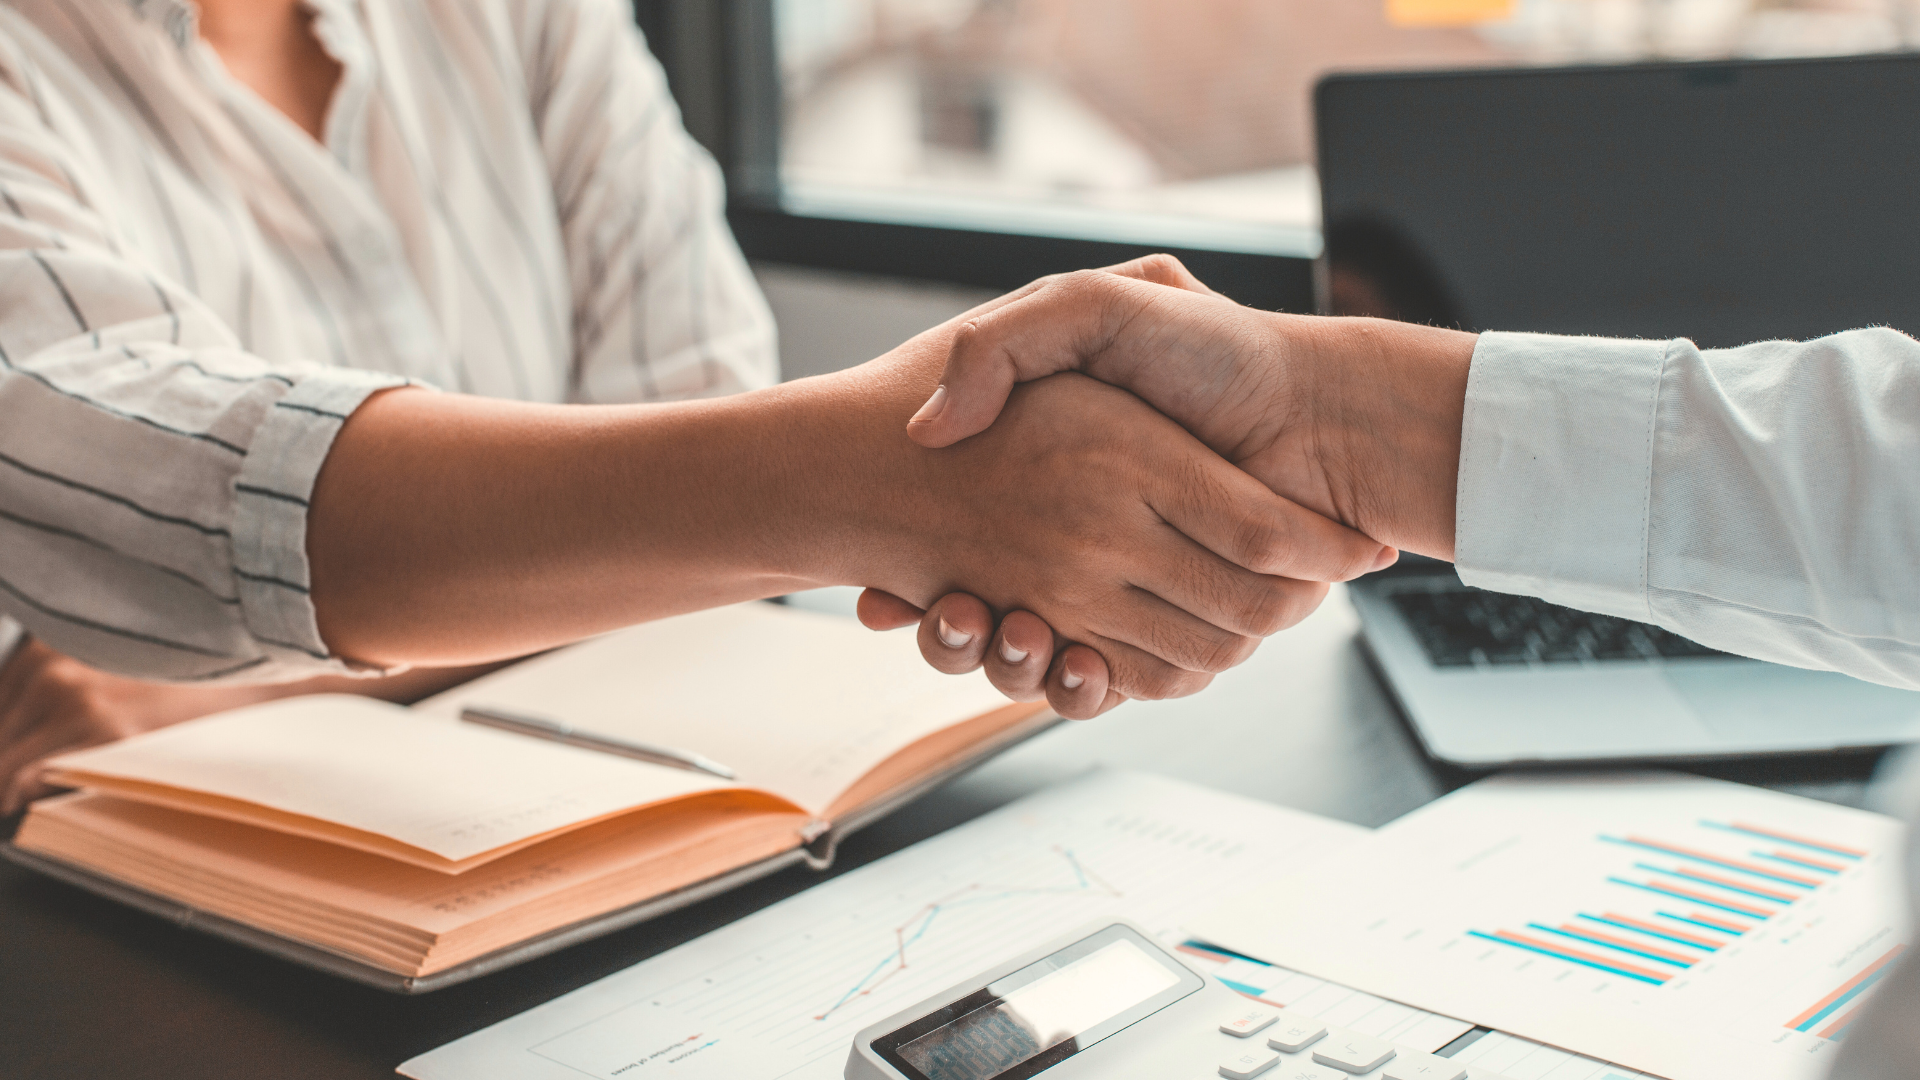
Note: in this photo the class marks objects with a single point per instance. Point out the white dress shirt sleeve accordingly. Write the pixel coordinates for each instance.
(1763, 500)
(664, 305)
(154, 476)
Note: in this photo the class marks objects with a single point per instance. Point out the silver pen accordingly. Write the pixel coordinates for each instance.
(541, 728)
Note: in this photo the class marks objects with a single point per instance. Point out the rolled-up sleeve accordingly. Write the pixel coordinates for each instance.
(1764, 500)
(154, 476)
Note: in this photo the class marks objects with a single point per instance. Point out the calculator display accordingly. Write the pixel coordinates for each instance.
(1041, 1014)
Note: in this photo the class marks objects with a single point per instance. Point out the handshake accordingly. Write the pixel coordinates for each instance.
(1234, 462)
(1122, 482)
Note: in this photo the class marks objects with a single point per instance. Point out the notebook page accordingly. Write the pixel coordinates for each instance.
(795, 702)
(446, 793)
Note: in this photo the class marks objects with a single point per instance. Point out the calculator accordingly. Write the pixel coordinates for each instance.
(1109, 1002)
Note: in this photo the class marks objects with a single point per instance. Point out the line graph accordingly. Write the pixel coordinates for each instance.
(782, 991)
(883, 940)
(911, 931)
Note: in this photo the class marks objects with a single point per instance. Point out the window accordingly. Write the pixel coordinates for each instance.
(1183, 123)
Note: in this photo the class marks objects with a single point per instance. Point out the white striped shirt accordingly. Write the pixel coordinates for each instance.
(194, 293)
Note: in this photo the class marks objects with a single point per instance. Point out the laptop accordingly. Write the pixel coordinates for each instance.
(1724, 202)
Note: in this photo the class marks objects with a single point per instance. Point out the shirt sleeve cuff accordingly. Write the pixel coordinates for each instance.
(1556, 453)
(271, 496)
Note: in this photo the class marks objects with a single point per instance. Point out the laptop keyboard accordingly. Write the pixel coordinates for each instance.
(1462, 626)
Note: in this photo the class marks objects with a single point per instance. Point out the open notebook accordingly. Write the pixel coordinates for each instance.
(408, 849)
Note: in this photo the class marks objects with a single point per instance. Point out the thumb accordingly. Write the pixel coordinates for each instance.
(1057, 327)
(973, 388)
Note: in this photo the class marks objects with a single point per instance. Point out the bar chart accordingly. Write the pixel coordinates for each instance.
(1684, 927)
(1830, 1017)
(1670, 902)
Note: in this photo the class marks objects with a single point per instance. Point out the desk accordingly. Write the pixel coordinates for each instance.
(91, 990)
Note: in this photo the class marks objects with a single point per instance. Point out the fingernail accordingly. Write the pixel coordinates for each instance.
(934, 406)
(1387, 557)
(1069, 680)
(951, 638)
(1010, 654)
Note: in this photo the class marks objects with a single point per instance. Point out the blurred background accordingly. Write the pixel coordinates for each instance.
(892, 162)
(948, 110)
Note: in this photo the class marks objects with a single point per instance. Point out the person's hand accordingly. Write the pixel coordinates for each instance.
(51, 703)
(1118, 530)
(1356, 418)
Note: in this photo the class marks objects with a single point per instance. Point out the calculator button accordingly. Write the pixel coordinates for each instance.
(1249, 1022)
(1352, 1052)
(1249, 1065)
(1295, 1033)
(1422, 1067)
(1305, 1070)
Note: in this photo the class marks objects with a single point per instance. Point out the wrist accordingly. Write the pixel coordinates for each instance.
(1386, 401)
(851, 493)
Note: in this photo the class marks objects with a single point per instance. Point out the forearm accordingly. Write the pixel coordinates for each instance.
(449, 530)
(403, 688)
(1761, 500)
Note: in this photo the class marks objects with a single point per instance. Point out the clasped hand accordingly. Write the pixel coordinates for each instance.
(1296, 402)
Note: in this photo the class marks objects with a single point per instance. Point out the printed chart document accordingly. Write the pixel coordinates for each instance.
(1694, 929)
(780, 994)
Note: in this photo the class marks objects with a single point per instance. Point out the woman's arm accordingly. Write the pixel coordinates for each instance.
(449, 530)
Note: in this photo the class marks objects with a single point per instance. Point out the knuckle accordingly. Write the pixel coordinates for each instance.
(1084, 281)
(1149, 678)
(1302, 601)
(1193, 683)
(1271, 608)
(1163, 267)
(1360, 561)
(1156, 686)
(1170, 682)
(1262, 545)
(1226, 651)
(967, 341)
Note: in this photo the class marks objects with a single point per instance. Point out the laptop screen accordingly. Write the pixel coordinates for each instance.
(1725, 202)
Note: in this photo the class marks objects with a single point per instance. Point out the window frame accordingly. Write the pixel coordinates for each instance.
(722, 66)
